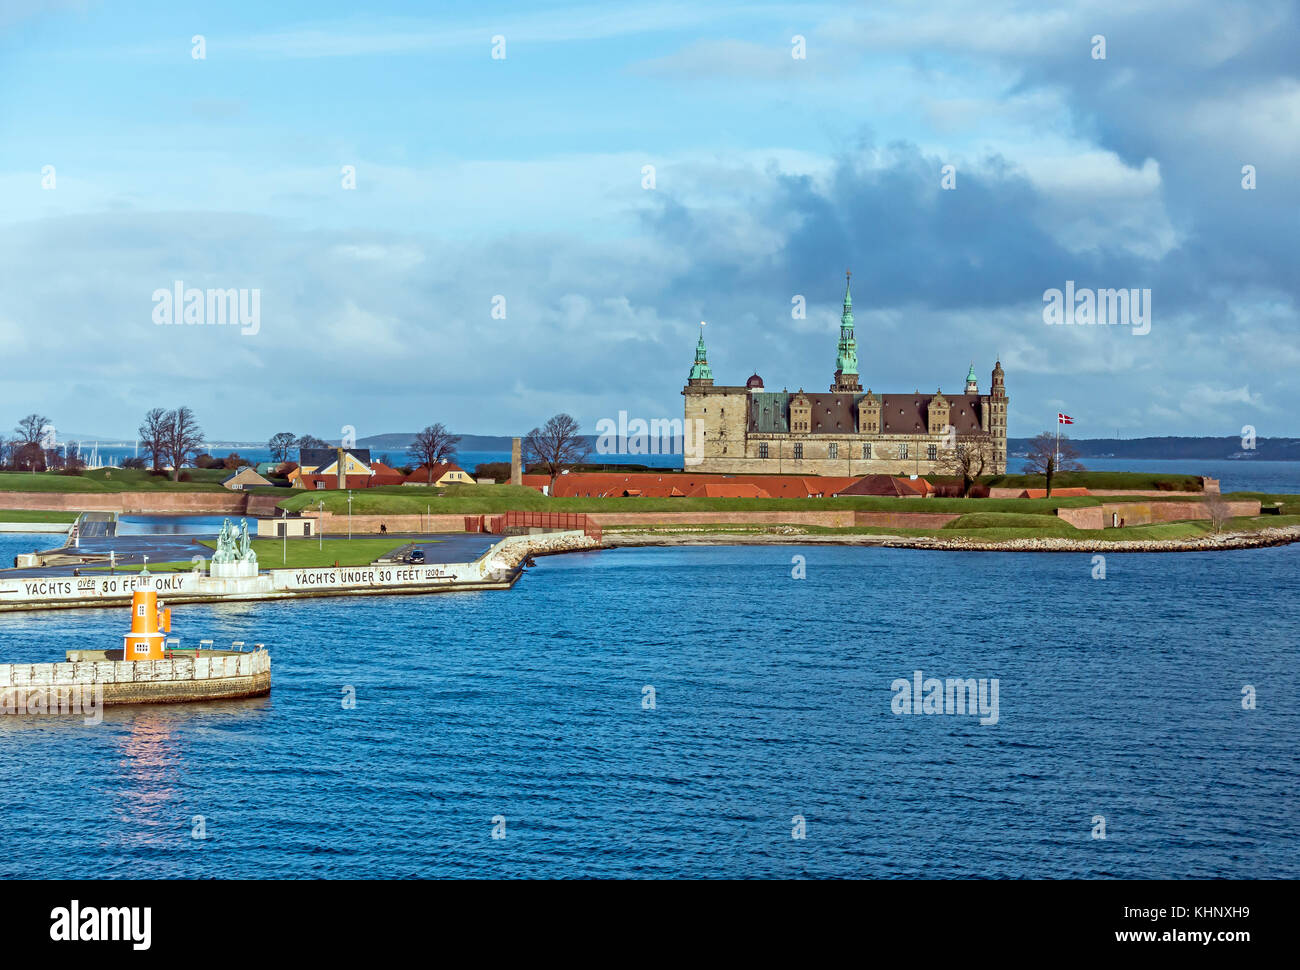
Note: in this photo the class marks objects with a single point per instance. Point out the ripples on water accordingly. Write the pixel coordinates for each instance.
(1118, 698)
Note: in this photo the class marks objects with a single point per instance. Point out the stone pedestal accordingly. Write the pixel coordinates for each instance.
(233, 570)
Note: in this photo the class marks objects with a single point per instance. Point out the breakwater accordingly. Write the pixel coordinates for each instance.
(54, 687)
(497, 568)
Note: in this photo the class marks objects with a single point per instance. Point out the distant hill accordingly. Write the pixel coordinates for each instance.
(1266, 449)
(400, 441)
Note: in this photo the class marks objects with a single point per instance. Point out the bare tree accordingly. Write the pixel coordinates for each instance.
(555, 445)
(31, 428)
(1218, 509)
(1042, 457)
(182, 438)
(967, 461)
(433, 445)
(310, 441)
(281, 445)
(152, 431)
(31, 443)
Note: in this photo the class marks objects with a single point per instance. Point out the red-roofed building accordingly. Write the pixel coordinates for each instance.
(443, 473)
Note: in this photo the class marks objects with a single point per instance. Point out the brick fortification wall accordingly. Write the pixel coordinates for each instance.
(333, 524)
(128, 502)
(1145, 513)
(1090, 517)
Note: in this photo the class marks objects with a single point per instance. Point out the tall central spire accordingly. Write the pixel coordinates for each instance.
(700, 370)
(846, 357)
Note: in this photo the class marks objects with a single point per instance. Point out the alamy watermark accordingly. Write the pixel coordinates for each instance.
(956, 695)
(658, 436)
(214, 307)
(73, 700)
(1086, 307)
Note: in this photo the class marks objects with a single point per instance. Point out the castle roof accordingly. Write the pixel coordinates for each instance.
(837, 413)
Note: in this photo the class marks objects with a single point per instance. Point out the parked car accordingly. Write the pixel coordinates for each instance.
(416, 557)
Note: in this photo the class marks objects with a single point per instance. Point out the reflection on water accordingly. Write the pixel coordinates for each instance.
(159, 525)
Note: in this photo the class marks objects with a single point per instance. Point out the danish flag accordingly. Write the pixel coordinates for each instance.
(1063, 418)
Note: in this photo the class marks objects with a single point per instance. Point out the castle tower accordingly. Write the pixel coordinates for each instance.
(846, 357)
(998, 419)
(972, 385)
(701, 374)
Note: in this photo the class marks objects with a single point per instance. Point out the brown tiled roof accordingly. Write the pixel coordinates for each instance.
(837, 413)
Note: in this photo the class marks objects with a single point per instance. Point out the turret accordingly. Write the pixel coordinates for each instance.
(972, 385)
(999, 384)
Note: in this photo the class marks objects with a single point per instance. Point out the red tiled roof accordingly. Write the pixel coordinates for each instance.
(421, 475)
(888, 485)
(1056, 492)
(670, 484)
(727, 490)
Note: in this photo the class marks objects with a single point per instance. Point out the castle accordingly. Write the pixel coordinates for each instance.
(846, 431)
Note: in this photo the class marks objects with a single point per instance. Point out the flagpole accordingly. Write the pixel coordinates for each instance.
(1058, 440)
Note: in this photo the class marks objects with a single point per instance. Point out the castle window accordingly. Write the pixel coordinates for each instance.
(933, 453)
(762, 449)
(902, 450)
(866, 450)
(798, 450)
(832, 450)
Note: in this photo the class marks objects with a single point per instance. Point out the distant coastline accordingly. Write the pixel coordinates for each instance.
(1167, 448)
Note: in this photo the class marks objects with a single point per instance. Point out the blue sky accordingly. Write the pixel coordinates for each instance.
(522, 178)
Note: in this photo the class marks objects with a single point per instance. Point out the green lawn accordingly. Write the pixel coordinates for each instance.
(492, 499)
(303, 553)
(36, 515)
(1086, 479)
(1045, 525)
(112, 480)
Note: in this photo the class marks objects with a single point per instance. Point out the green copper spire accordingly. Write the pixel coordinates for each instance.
(846, 358)
(700, 370)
